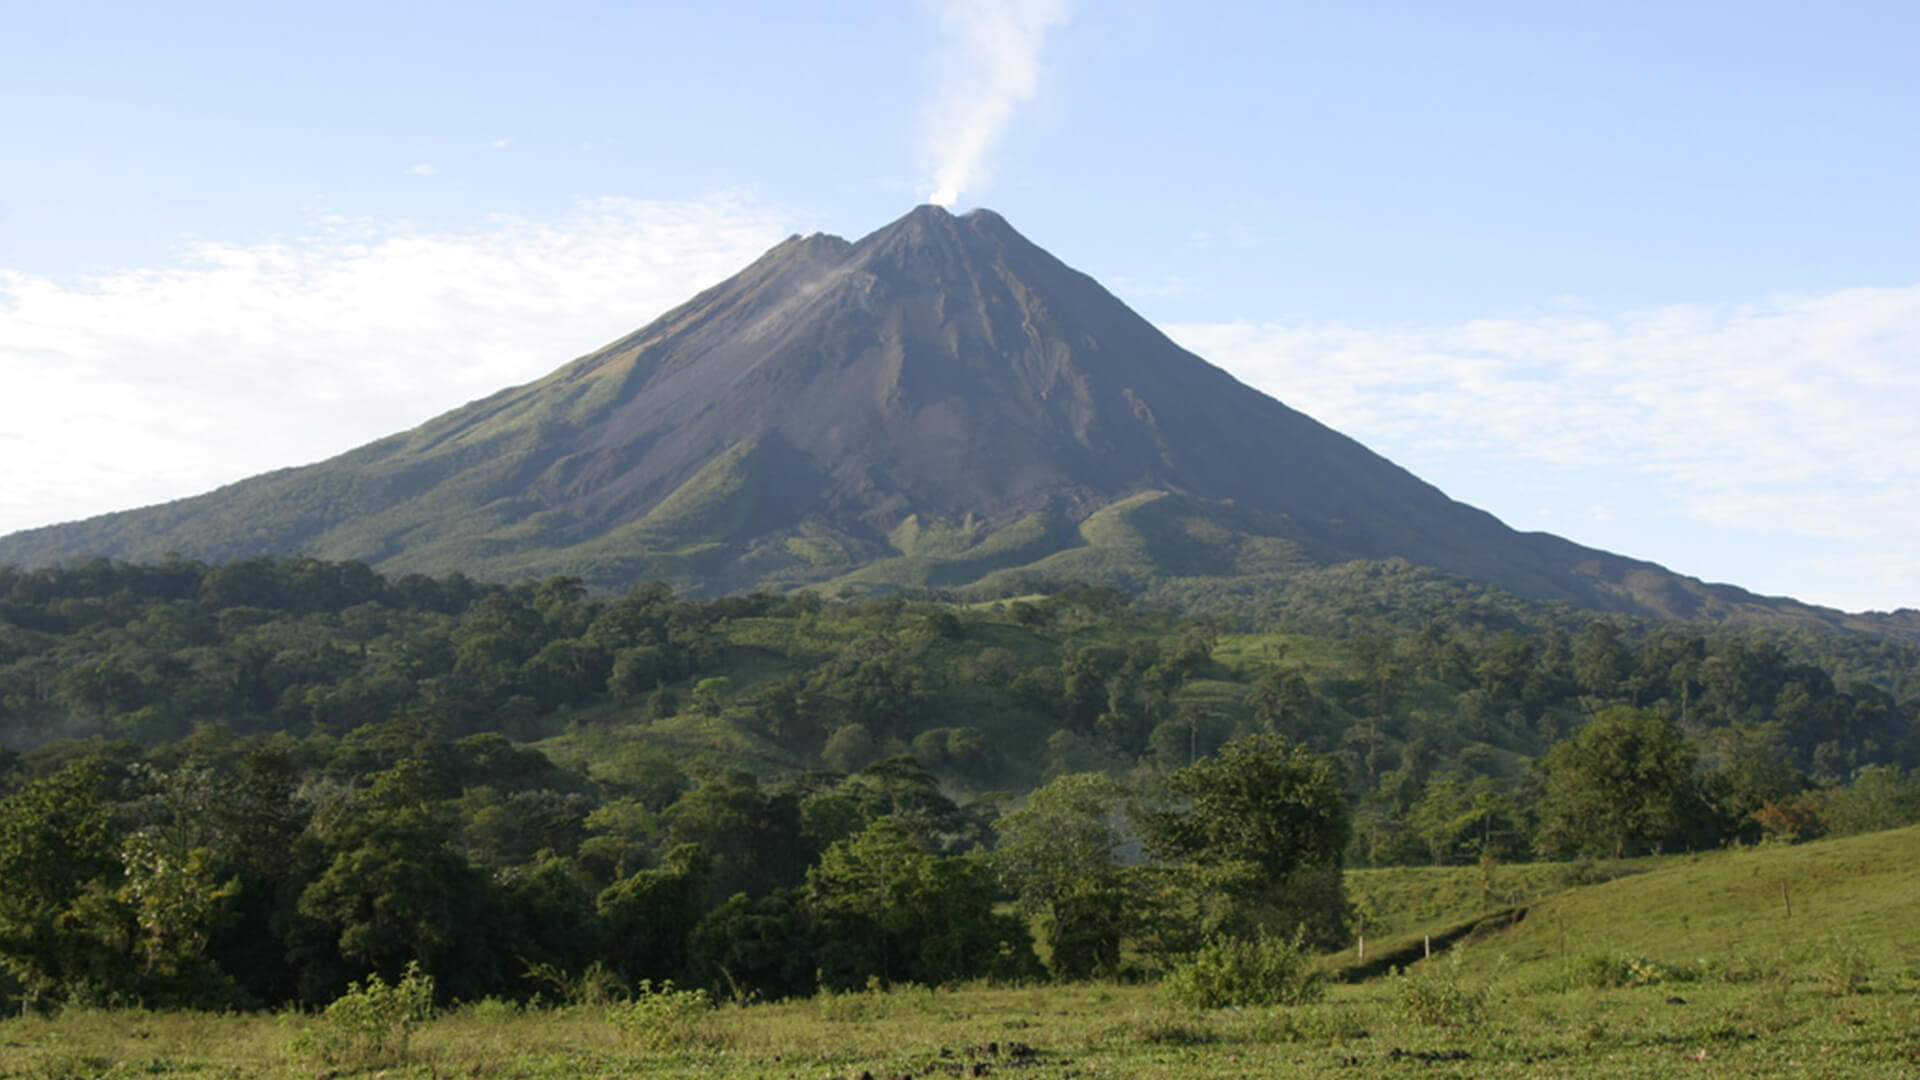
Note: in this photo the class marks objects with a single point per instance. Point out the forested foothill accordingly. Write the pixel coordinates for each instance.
(252, 784)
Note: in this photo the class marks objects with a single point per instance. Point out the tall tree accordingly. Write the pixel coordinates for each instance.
(1057, 854)
(57, 842)
(1272, 815)
(888, 909)
(1625, 780)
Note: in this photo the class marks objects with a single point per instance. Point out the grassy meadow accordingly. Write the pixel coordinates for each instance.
(1684, 965)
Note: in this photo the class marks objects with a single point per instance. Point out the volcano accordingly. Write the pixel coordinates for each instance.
(940, 403)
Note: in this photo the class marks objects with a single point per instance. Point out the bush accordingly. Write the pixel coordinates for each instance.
(1610, 971)
(1438, 997)
(1741, 968)
(1263, 970)
(370, 1025)
(490, 1010)
(597, 985)
(850, 1005)
(662, 1018)
(1880, 797)
(1845, 969)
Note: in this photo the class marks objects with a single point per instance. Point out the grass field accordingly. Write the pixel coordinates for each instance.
(1410, 899)
(1691, 967)
(1805, 909)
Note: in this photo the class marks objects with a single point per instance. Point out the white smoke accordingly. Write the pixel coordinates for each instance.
(996, 67)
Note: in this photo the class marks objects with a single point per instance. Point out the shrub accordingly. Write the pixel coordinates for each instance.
(1741, 968)
(1609, 971)
(597, 985)
(371, 1024)
(662, 1018)
(849, 1005)
(1262, 970)
(1438, 997)
(1845, 969)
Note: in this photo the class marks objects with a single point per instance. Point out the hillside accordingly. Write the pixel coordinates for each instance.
(941, 403)
(1799, 911)
(541, 798)
(989, 696)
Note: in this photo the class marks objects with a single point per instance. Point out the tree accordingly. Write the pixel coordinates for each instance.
(1262, 800)
(1600, 662)
(752, 839)
(902, 789)
(57, 844)
(868, 685)
(566, 670)
(1083, 689)
(1057, 855)
(1624, 780)
(886, 908)
(757, 945)
(855, 886)
(1271, 815)
(650, 915)
(710, 695)
(1380, 668)
(1880, 797)
(500, 830)
(1282, 702)
(1456, 816)
(1744, 770)
(174, 897)
(551, 911)
(395, 891)
(849, 748)
(636, 671)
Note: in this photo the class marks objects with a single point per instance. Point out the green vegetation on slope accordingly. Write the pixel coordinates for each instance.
(1405, 900)
(1798, 909)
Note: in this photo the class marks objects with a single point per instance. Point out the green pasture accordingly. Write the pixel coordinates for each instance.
(1681, 966)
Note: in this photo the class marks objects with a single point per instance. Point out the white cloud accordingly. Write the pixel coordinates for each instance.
(423, 169)
(500, 144)
(1793, 416)
(994, 67)
(141, 385)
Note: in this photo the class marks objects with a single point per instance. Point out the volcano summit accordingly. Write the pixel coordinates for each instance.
(939, 403)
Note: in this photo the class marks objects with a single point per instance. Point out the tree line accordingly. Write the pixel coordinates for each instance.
(244, 871)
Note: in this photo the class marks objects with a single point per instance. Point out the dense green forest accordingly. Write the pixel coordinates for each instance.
(252, 783)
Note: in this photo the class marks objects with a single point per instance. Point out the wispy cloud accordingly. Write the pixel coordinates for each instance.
(994, 66)
(1793, 416)
(423, 169)
(148, 384)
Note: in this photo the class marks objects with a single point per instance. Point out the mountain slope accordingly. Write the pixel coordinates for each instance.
(940, 401)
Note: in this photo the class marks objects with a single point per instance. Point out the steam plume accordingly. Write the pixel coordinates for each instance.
(997, 45)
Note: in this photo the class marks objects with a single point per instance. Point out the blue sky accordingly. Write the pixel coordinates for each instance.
(1646, 275)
